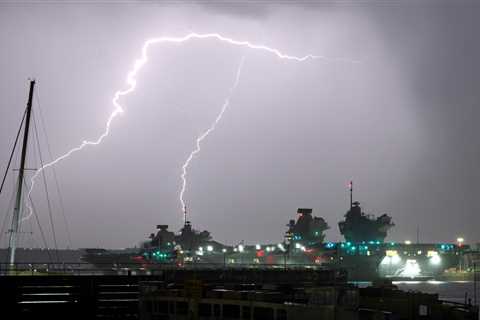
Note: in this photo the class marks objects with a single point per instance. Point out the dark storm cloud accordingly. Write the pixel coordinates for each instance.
(262, 9)
(438, 46)
(241, 9)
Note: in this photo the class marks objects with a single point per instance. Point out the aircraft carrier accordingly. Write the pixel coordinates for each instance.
(364, 254)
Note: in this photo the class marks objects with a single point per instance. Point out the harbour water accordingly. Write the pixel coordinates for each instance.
(456, 291)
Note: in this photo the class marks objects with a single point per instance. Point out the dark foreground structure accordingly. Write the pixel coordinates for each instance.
(217, 294)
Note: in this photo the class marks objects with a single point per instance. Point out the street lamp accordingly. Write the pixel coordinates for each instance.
(224, 257)
(460, 241)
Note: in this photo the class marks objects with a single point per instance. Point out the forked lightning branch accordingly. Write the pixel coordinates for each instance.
(131, 82)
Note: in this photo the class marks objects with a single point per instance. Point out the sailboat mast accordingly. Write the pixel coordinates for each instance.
(12, 243)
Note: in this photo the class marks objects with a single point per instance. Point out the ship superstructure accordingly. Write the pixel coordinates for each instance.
(364, 254)
(358, 226)
(307, 229)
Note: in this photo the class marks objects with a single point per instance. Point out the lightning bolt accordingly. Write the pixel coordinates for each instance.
(132, 84)
(204, 135)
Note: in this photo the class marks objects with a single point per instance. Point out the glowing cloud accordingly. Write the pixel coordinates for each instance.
(132, 83)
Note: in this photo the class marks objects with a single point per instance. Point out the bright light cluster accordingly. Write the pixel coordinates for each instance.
(411, 269)
(434, 257)
(391, 258)
(395, 260)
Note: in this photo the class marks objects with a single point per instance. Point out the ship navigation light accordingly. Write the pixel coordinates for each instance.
(330, 245)
(446, 247)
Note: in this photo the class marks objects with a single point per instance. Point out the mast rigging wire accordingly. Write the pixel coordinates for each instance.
(34, 210)
(60, 197)
(9, 209)
(13, 151)
(49, 205)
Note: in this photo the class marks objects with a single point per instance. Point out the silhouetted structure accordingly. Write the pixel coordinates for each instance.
(307, 227)
(162, 237)
(191, 239)
(12, 242)
(358, 227)
(188, 239)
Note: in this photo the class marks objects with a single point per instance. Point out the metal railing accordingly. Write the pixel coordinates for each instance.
(133, 268)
